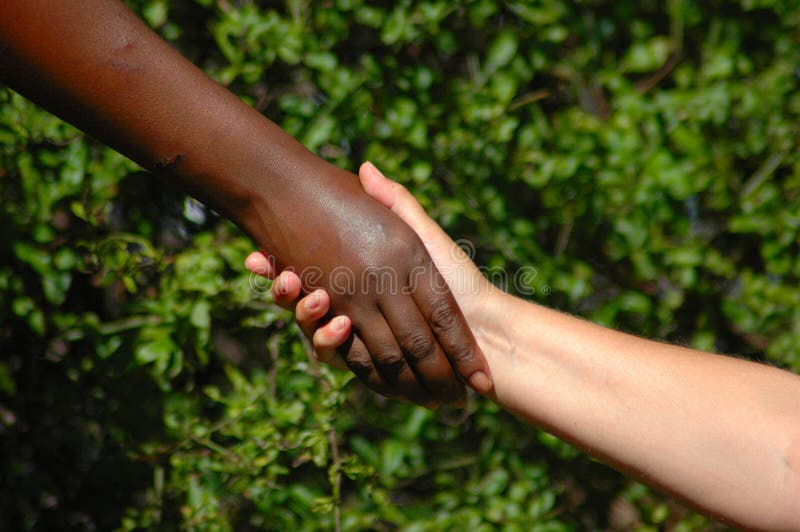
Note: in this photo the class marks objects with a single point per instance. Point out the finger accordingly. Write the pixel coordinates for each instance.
(311, 309)
(421, 350)
(392, 195)
(439, 308)
(330, 336)
(260, 264)
(326, 337)
(359, 361)
(286, 289)
(389, 360)
(377, 185)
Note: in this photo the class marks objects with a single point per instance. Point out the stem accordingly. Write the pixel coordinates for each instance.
(336, 481)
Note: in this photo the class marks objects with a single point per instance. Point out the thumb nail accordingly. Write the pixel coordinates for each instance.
(375, 169)
(480, 382)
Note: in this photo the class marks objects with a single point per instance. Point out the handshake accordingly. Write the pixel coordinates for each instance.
(392, 318)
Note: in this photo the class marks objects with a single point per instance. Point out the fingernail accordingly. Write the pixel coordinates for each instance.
(378, 171)
(480, 382)
(313, 303)
(280, 286)
(338, 324)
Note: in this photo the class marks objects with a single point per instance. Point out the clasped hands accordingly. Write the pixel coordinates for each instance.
(421, 349)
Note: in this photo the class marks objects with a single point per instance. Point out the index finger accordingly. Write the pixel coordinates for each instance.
(439, 308)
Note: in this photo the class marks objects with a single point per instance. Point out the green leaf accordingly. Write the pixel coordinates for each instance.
(392, 455)
(648, 56)
(55, 286)
(37, 258)
(500, 52)
(201, 314)
(155, 13)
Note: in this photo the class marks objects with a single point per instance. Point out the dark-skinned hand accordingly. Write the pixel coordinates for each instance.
(410, 338)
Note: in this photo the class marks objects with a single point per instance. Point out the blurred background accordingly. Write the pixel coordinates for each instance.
(642, 156)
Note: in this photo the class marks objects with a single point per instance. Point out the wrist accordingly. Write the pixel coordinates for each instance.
(520, 370)
(267, 180)
(490, 324)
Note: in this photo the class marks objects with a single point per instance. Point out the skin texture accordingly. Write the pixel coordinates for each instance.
(720, 433)
(95, 64)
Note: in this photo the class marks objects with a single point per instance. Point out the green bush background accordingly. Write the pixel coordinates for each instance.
(641, 155)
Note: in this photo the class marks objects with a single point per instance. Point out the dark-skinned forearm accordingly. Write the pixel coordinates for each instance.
(95, 64)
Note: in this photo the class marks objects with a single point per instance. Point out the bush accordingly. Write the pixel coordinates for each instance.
(642, 157)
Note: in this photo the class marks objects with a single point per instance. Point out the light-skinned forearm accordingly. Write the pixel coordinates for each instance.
(718, 432)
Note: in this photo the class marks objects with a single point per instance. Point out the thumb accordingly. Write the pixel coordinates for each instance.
(377, 185)
(394, 196)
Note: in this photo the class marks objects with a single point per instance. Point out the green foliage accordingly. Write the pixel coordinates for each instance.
(642, 156)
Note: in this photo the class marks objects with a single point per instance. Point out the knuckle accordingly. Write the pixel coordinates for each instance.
(443, 317)
(362, 370)
(418, 253)
(386, 358)
(419, 347)
(391, 365)
(462, 354)
(358, 364)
